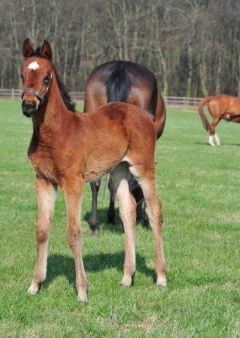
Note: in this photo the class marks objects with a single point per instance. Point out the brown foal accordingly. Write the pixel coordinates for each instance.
(65, 153)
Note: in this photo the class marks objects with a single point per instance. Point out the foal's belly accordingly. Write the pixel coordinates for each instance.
(100, 164)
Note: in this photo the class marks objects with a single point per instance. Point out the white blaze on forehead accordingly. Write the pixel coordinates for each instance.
(33, 65)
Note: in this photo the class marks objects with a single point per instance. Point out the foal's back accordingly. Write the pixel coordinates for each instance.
(117, 134)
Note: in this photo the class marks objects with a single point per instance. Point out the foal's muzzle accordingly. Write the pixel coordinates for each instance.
(29, 107)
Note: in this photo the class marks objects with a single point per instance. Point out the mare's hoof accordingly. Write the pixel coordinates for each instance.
(146, 223)
(111, 219)
(92, 220)
(94, 231)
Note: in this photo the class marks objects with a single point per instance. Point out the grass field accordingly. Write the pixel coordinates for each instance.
(199, 187)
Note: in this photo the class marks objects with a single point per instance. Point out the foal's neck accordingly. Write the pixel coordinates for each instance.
(53, 113)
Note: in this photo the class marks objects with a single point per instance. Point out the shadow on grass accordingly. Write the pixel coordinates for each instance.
(231, 144)
(202, 143)
(103, 223)
(193, 278)
(117, 227)
(223, 144)
(59, 265)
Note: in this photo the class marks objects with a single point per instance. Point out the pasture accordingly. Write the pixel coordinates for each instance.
(199, 189)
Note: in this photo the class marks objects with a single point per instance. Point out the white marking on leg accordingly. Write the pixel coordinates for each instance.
(216, 140)
(126, 159)
(33, 289)
(211, 140)
(162, 281)
(33, 65)
(132, 168)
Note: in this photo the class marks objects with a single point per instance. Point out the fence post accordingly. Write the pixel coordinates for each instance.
(12, 94)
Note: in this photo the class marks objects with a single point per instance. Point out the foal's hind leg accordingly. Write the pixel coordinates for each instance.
(147, 182)
(92, 220)
(46, 193)
(127, 209)
(156, 221)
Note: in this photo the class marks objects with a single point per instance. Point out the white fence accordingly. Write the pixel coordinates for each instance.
(182, 101)
(77, 96)
(16, 93)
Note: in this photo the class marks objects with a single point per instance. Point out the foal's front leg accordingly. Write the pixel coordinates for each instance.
(73, 194)
(46, 193)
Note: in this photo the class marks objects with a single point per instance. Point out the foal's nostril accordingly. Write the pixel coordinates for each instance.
(29, 104)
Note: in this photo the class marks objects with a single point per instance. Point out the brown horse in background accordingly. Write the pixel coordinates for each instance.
(123, 81)
(220, 107)
(65, 152)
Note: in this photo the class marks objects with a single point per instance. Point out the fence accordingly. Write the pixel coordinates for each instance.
(77, 96)
(16, 93)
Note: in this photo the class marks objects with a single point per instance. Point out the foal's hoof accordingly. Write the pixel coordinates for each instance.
(162, 281)
(33, 289)
(126, 281)
(82, 296)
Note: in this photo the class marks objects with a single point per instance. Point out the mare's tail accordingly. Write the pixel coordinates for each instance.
(201, 105)
(118, 85)
(160, 116)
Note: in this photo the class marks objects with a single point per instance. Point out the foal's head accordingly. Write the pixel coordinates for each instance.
(36, 76)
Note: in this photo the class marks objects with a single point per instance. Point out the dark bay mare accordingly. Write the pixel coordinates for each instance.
(123, 81)
(220, 107)
(65, 153)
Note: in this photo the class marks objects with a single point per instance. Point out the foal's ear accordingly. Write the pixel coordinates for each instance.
(27, 49)
(46, 51)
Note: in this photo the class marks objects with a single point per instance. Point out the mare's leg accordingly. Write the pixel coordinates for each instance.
(95, 96)
(141, 205)
(92, 220)
(127, 209)
(145, 216)
(73, 194)
(148, 184)
(46, 193)
(111, 209)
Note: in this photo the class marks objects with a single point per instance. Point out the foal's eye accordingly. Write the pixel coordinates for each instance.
(46, 80)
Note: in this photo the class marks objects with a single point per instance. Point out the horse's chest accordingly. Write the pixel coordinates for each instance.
(42, 162)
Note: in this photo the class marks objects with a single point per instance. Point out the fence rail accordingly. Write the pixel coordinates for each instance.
(77, 96)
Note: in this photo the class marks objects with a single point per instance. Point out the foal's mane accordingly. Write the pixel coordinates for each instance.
(63, 90)
(65, 94)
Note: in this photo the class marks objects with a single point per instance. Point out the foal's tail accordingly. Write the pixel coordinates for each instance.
(201, 105)
(118, 85)
(160, 116)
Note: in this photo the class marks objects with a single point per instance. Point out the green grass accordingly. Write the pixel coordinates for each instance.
(199, 188)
